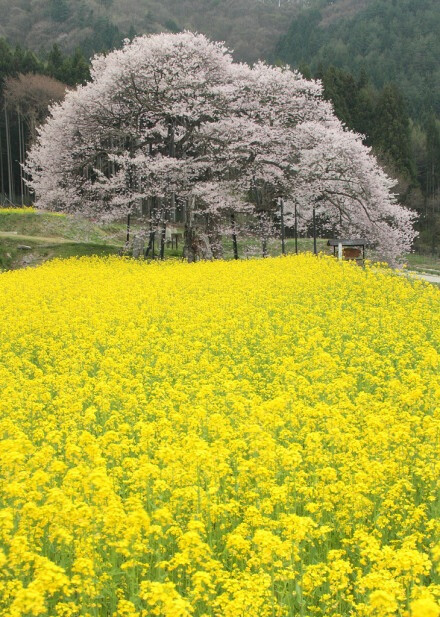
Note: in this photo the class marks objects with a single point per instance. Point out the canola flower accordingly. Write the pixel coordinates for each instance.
(226, 439)
(26, 210)
(17, 209)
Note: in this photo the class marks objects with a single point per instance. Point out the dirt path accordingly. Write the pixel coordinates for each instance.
(47, 239)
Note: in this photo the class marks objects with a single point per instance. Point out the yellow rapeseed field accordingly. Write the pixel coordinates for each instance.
(26, 210)
(246, 439)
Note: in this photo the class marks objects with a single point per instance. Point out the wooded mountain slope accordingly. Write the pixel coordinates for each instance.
(393, 40)
(250, 27)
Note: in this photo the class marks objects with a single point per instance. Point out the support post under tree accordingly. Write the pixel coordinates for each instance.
(190, 249)
(283, 231)
(296, 229)
(264, 245)
(315, 250)
(163, 232)
(128, 229)
(234, 236)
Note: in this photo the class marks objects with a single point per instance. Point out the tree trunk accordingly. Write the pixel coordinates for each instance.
(9, 158)
(23, 158)
(163, 233)
(190, 248)
(152, 234)
(151, 239)
(20, 155)
(150, 247)
(2, 176)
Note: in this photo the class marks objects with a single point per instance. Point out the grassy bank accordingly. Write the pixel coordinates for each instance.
(29, 238)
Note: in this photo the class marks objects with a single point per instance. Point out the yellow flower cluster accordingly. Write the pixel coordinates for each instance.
(17, 210)
(28, 210)
(245, 439)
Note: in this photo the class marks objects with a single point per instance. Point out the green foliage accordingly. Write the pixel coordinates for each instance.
(172, 26)
(381, 116)
(105, 36)
(14, 60)
(69, 69)
(341, 88)
(393, 41)
(391, 129)
(379, 62)
(303, 39)
(250, 27)
(410, 151)
(59, 10)
(433, 151)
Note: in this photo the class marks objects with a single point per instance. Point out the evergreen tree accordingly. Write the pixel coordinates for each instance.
(25, 61)
(304, 69)
(55, 62)
(80, 72)
(392, 129)
(59, 10)
(6, 61)
(432, 155)
(365, 112)
(131, 32)
(394, 41)
(106, 36)
(340, 88)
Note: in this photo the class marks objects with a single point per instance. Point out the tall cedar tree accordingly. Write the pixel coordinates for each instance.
(392, 129)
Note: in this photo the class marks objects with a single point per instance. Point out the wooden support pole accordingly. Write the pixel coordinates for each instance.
(296, 229)
(234, 236)
(315, 249)
(128, 228)
(163, 233)
(283, 231)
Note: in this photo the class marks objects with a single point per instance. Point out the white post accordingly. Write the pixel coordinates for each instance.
(340, 251)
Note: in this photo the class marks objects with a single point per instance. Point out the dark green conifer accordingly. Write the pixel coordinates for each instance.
(392, 130)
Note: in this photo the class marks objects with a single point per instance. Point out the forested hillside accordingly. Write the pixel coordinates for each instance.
(250, 27)
(379, 61)
(392, 40)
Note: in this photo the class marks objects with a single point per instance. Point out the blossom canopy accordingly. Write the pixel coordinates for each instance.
(171, 117)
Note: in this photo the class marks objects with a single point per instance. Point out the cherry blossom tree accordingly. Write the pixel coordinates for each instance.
(132, 134)
(339, 176)
(291, 145)
(172, 119)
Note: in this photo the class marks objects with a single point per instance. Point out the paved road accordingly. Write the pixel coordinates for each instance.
(431, 278)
